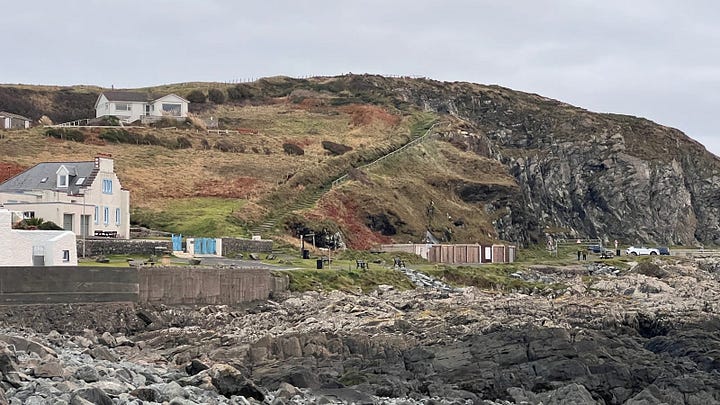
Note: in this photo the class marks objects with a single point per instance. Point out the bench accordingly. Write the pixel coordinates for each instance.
(106, 234)
(361, 264)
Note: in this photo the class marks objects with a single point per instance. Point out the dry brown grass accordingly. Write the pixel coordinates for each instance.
(367, 114)
(197, 122)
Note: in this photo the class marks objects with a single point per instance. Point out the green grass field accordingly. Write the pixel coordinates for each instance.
(200, 216)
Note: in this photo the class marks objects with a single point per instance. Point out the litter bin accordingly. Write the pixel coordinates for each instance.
(319, 264)
(306, 254)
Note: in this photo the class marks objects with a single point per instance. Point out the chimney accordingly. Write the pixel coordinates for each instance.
(104, 162)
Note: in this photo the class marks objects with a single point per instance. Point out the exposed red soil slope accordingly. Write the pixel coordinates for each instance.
(344, 212)
(8, 170)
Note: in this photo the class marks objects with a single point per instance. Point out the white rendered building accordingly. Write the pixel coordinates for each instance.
(35, 248)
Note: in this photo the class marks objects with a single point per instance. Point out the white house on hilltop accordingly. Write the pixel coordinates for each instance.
(35, 248)
(83, 197)
(131, 106)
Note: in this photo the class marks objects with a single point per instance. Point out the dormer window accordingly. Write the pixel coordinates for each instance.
(62, 177)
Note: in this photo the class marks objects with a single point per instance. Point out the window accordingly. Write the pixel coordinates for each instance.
(122, 107)
(28, 214)
(106, 215)
(80, 181)
(107, 186)
(117, 216)
(44, 179)
(172, 109)
(66, 255)
(62, 180)
(97, 214)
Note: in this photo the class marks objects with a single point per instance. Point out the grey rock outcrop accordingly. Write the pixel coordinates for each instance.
(604, 176)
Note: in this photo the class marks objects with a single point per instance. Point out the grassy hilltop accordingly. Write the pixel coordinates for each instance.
(188, 180)
(500, 164)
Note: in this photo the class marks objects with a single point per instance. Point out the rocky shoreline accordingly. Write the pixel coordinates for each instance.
(641, 336)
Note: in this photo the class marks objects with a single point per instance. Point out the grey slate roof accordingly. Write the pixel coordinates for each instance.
(126, 96)
(31, 179)
(11, 115)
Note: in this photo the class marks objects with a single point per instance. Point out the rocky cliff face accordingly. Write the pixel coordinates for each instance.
(595, 175)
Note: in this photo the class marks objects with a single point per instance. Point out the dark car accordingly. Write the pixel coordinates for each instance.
(595, 248)
(664, 250)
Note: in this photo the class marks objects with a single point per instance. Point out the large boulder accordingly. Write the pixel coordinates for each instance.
(87, 373)
(92, 395)
(27, 345)
(229, 381)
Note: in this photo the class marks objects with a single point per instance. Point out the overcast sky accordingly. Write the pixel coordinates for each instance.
(657, 59)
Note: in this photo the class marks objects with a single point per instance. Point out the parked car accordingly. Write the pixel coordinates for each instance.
(664, 250)
(639, 251)
(607, 253)
(595, 248)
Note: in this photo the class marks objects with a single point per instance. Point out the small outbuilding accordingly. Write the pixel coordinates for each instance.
(35, 247)
(13, 121)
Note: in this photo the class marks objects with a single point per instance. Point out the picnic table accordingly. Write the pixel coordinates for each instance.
(106, 234)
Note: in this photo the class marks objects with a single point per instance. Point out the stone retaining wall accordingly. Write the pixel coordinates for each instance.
(134, 247)
(232, 246)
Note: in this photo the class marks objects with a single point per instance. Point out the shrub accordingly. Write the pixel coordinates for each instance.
(293, 149)
(68, 134)
(217, 96)
(45, 120)
(151, 139)
(183, 143)
(106, 121)
(204, 144)
(336, 149)
(196, 96)
(37, 223)
(121, 136)
(224, 146)
(169, 122)
(240, 92)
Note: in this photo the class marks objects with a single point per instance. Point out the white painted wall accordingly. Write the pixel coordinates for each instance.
(22, 243)
(170, 99)
(102, 106)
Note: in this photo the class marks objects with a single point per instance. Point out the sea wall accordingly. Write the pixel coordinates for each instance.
(164, 285)
(205, 286)
(67, 284)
